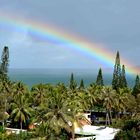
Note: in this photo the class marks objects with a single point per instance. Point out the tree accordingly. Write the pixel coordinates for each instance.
(123, 78)
(121, 101)
(6, 95)
(99, 80)
(39, 94)
(73, 83)
(81, 84)
(130, 130)
(5, 63)
(20, 89)
(21, 110)
(2, 107)
(137, 108)
(93, 94)
(60, 112)
(108, 96)
(136, 88)
(116, 81)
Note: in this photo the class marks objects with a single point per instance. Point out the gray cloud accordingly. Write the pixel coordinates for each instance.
(112, 23)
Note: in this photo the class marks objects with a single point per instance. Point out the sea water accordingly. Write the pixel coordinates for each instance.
(54, 76)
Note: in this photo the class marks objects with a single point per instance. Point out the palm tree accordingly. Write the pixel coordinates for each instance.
(20, 89)
(60, 112)
(137, 113)
(39, 93)
(93, 94)
(134, 107)
(121, 100)
(81, 100)
(108, 96)
(21, 110)
(2, 108)
(6, 92)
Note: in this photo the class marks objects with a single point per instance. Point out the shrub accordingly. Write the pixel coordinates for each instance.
(130, 131)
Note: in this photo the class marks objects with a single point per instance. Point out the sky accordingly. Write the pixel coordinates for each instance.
(114, 24)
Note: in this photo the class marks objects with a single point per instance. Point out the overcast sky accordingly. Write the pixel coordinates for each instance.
(113, 23)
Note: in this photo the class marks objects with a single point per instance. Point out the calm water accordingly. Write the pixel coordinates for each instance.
(54, 76)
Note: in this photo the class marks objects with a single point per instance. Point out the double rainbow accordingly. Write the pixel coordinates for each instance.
(79, 44)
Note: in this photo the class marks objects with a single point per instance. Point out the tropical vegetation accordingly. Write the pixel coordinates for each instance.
(49, 111)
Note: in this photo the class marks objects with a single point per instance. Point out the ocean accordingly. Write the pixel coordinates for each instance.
(54, 76)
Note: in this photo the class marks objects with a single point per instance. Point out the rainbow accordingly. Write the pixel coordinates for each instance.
(52, 33)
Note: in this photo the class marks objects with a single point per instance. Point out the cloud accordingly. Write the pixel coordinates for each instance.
(113, 23)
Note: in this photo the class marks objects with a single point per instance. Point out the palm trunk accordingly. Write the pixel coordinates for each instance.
(21, 125)
(73, 135)
(116, 115)
(107, 118)
(110, 116)
(5, 109)
(119, 115)
(70, 126)
(3, 123)
(72, 132)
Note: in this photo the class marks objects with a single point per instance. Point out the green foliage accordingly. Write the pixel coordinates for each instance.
(57, 111)
(73, 83)
(81, 84)
(55, 108)
(20, 136)
(130, 131)
(45, 131)
(108, 96)
(3, 136)
(99, 80)
(92, 95)
(4, 64)
(123, 78)
(136, 88)
(21, 110)
(2, 130)
(116, 81)
(121, 99)
(39, 94)
(136, 108)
